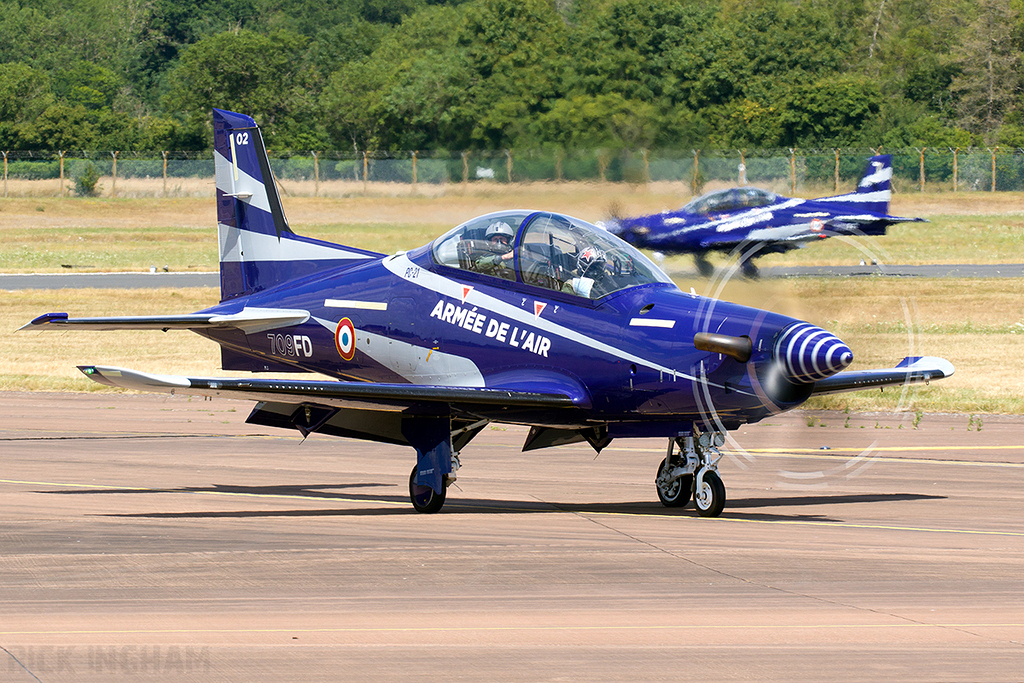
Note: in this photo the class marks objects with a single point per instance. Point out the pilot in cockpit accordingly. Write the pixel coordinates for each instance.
(500, 236)
(590, 270)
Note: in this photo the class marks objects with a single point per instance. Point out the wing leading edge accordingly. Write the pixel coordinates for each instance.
(250, 320)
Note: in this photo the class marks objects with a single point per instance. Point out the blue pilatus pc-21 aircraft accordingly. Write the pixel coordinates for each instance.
(519, 317)
(756, 222)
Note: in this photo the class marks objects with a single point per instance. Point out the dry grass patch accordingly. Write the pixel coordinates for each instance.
(35, 360)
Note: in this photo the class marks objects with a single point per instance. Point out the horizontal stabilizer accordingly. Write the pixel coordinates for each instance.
(911, 370)
(249, 320)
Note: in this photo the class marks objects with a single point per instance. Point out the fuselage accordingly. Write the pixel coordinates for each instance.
(626, 357)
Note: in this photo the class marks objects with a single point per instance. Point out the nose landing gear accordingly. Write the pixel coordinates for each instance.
(693, 471)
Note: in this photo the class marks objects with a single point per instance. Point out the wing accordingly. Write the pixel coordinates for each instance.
(911, 370)
(358, 409)
(250, 320)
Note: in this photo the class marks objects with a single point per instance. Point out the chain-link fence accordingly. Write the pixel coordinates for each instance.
(792, 171)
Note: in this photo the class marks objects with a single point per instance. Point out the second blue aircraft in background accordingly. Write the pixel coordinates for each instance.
(761, 222)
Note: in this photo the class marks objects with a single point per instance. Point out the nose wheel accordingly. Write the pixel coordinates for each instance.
(692, 471)
(709, 495)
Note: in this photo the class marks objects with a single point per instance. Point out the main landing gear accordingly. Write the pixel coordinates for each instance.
(425, 499)
(693, 471)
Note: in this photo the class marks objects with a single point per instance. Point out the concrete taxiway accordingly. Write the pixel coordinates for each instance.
(161, 538)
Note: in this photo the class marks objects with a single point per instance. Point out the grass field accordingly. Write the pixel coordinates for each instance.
(976, 324)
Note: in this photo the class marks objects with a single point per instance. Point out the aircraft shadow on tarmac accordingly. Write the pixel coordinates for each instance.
(397, 504)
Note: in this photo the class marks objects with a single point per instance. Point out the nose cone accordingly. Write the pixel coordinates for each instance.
(810, 353)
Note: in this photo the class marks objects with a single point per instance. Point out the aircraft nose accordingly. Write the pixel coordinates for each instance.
(810, 353)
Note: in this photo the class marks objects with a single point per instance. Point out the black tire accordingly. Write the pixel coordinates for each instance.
(712, 502)
(423, 498)
(678, 493)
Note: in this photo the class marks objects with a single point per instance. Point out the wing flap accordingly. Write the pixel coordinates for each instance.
(911, 370)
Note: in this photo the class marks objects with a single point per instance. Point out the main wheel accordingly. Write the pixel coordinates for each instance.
(677, 493)
(710, 499)
(423, 498)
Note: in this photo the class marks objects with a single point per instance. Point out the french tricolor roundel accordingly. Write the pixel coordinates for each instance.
(345, 339)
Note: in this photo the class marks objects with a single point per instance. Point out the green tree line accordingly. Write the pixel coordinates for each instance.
(512, 74)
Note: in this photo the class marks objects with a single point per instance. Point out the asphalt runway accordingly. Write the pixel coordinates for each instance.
(195, 279)
(161, 538)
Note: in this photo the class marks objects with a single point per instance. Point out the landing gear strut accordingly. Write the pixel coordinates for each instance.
(693, 470)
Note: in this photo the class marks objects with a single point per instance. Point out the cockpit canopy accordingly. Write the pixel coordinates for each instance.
(733, 199)
(547, 250)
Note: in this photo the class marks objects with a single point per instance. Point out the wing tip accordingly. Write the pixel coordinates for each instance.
(45, 319)
(133, 379)
(928, 364)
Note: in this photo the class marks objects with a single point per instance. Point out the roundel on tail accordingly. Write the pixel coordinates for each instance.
(345, 339)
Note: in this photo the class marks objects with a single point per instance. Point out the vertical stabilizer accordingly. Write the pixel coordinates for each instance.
(875, 186)
(257, 248)
(874, 190)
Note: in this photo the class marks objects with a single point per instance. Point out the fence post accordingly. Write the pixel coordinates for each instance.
(792, 170)
(696, 159)
(508, 165)
(113, 172)
(5, 174)
(414, 155)
(955, 169)
(836, 150)
(316, 173)
(61, 155)
(921, 168)
(164, 155)
(742, 168)
(558, 164)
(366, 171)
(465, 168)
(647, 166)
(992, 153)
(994, 167)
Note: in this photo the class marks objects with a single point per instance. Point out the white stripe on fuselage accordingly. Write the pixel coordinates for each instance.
(415, 364)
(358, 305)
(859, 197)
(402, 267)
(237, 246)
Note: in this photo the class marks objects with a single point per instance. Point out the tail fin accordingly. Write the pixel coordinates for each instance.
(874, 191)
(257, 248)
